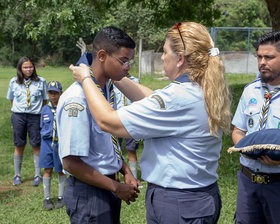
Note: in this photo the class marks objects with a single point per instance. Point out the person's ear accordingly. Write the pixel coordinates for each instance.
(181, 60)
(101, 55)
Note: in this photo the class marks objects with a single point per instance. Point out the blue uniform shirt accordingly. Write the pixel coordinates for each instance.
(179, 151)
(247, 117)
(17, 93)
(46, 124)
(80, 135)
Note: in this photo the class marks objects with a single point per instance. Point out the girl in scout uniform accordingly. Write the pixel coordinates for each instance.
(27, 92)
(181, 124)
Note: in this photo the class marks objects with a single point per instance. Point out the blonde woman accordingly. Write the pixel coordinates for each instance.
(181, 124)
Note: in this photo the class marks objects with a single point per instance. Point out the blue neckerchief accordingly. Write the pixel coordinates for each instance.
(182, 78)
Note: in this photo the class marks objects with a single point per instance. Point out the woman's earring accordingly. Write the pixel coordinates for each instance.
(178, 66)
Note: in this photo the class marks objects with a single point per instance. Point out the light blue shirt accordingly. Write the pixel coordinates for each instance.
(17, 93)
(121, 99)
(179, 151)
(247, 118)
(79, 134)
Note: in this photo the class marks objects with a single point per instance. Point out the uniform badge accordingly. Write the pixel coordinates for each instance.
(160, 101)
(73, 109)
(251, 122)
(252, 102)
(279, 125)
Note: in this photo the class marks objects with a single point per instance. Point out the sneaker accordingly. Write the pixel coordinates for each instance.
(48, 205)
(17, 180)
(59, 203)
(36, 181)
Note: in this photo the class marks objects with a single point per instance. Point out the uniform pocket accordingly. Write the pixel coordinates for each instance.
(200, 205)
(253, 117)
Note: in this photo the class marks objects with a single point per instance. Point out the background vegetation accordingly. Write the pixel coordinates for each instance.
(47, 30)
(24, 204)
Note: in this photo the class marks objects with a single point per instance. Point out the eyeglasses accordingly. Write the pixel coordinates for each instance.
(124, 64)
(177, 26)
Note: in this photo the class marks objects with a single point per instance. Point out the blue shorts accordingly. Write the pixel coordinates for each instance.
(88, 204)
(169, 205)
(24, 123)
(49, 156)
(257, 203)
(129, 144)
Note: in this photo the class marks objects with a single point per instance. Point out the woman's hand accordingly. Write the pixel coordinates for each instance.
(80, 73)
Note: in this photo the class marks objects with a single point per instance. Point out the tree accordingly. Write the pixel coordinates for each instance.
(274, 11)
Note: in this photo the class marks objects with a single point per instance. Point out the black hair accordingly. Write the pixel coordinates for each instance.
(271, 38)
(20, 75)
(111, 39)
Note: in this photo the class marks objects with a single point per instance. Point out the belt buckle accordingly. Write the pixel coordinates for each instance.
(260, 179)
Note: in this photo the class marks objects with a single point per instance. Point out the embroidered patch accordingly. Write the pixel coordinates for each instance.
(252, 102)
(251, 122)
(279, 125)
(73, 109)
(160, 101)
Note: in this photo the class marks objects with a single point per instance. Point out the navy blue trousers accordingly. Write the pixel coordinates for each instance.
(88, 204)
(175, 206)
(257, 203)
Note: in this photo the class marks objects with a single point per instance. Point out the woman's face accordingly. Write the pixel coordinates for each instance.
(170, 60)
(27, 69)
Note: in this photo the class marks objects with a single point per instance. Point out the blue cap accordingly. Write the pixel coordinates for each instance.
(54, 86)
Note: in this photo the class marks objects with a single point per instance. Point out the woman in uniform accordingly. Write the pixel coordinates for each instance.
(27, 92)
(181, 124)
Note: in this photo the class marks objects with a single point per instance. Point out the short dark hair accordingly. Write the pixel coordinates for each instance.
(111, 39)
(20, 76)
(271, 38)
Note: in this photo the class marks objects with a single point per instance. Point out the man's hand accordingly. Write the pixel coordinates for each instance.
(126, 192)
(267, 161)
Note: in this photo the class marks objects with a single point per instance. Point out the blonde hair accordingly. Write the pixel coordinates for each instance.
(205, 70)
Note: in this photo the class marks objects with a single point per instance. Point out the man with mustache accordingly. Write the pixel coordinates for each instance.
(258, 199)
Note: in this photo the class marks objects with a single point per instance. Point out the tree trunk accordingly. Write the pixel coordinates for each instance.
(274, 11)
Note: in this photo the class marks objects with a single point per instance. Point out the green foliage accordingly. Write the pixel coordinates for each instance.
(239, 13)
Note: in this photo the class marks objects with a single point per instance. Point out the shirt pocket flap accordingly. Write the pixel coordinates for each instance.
(276, 112)
(250, 111)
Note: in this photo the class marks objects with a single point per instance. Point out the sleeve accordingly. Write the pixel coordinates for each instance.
(73, 125)
(158, 116)
(239, 119)
(44, 93)
(10, 93)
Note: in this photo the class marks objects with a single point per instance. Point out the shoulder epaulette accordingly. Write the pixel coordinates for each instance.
(257, 80)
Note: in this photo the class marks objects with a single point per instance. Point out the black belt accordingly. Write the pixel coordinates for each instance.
(260, 178)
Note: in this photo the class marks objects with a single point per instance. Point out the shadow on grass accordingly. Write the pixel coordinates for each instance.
(8, 193)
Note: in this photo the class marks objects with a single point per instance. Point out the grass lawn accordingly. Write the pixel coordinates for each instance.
(24, 204)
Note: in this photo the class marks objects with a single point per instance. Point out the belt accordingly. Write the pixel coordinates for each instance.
(260, 178)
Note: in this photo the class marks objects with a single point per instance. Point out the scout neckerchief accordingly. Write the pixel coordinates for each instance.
(268, 95)
(27, 84)
(111, 101)
(53, 110)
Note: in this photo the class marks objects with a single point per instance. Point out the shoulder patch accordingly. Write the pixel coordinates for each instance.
(160, 101)
(73, 109)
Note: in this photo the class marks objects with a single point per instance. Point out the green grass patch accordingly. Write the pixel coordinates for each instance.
(24, 204)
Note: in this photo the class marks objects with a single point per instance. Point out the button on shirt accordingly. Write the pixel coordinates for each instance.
(179, 151)
(247, 117)
(17, 93)
(79, 134)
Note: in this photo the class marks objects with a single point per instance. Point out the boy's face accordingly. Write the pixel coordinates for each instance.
(54, 96)
(115, 66)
